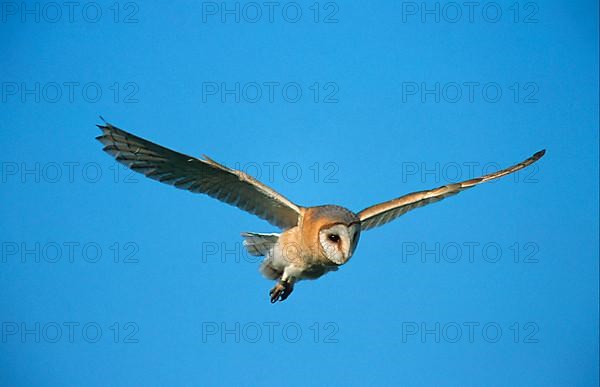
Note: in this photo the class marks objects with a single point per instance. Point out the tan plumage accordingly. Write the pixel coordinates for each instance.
(314, 241)
(383, 213)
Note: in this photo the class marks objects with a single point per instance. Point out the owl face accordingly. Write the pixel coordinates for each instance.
(339, 241)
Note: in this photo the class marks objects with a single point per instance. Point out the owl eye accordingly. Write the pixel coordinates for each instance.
(334, 238)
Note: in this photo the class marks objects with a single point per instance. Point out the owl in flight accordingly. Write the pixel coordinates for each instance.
(313, 241)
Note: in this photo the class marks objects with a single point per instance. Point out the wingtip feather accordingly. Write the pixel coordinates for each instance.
(539, 154)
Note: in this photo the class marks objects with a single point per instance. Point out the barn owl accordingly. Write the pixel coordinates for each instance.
(313, 241)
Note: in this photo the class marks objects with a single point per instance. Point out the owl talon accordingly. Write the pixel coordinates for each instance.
(288, 288)
(276, 292)
(281, 291)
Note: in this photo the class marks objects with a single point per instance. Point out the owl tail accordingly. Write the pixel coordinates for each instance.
(259, 244)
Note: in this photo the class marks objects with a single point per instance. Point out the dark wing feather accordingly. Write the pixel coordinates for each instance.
(200, 176)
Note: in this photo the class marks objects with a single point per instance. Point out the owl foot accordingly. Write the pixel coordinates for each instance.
(281, 291)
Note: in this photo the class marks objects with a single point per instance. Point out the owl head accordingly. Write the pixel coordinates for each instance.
(339, 241)
(336, 231)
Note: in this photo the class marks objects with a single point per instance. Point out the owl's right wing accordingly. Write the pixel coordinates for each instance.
(383, 213)
(200, 176)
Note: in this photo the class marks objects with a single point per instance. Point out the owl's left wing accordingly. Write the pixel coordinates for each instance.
(200, 176)
(383, 213)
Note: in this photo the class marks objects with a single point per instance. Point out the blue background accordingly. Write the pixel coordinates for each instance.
(174, 296)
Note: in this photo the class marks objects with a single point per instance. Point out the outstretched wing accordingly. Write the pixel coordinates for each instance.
(386, 212)
(201, 176)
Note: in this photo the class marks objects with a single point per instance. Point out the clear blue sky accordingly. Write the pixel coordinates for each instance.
(496, 286)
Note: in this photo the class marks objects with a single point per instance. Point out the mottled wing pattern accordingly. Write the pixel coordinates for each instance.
(200, 176)
(383, 213)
